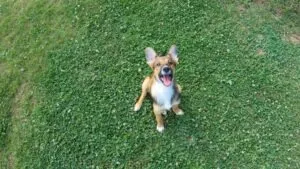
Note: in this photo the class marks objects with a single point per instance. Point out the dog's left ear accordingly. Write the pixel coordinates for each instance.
(173, 53)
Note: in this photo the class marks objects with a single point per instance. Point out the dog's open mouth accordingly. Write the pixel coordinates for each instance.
(166, 79)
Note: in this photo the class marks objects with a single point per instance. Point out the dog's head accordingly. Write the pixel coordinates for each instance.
(163, 67)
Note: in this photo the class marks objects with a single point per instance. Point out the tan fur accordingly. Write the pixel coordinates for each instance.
(148, 83)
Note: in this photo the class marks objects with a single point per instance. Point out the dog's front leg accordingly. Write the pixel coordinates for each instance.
(145, 86)
(179, 89)
(158, 116)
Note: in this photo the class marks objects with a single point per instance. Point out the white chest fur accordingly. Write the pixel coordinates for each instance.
(162, 94)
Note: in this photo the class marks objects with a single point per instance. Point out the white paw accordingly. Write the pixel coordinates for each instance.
(160, 128)
(136, 107)
(164, 112)
(180, 113)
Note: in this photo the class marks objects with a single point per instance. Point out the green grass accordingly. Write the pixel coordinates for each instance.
(70, 73)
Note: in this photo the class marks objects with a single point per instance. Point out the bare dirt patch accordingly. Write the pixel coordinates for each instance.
(241, 8)
(278, 12)
(20, 95)
(260, 2)
(260, 52)
(11, 161)
(293, 38)
(18, 117)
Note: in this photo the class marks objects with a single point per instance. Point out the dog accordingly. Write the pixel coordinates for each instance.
(161, 85)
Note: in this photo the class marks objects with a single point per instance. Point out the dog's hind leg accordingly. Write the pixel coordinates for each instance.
(177, 110)
(145, 86)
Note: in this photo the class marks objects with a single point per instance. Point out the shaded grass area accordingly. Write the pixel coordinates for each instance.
(240, 83)
(28, 31)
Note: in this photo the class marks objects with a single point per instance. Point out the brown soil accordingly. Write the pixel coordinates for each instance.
(293, 38)
(260, 52)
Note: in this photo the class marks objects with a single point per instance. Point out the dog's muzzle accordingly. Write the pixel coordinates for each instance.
(166, 75)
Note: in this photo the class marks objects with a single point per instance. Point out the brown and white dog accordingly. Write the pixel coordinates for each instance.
(161, 85)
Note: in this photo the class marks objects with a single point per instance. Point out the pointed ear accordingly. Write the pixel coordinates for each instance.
(150, 56)
(173, 53)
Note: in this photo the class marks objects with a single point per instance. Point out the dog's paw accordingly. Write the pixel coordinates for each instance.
(160, 128)
(180, 113)
(137, 107)
(179, 88)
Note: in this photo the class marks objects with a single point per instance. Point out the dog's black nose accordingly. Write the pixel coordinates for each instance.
(166, 69)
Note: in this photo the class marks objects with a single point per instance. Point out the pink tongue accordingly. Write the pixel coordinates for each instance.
(167, 80)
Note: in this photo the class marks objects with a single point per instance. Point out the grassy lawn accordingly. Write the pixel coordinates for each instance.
(70, 72)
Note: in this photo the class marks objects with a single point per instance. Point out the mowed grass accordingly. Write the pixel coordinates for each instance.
(71, 71)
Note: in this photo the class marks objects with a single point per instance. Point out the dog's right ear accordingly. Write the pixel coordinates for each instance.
(150, 56)
(174, 53)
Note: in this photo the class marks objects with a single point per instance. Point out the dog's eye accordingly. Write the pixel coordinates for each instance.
(157, 64)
